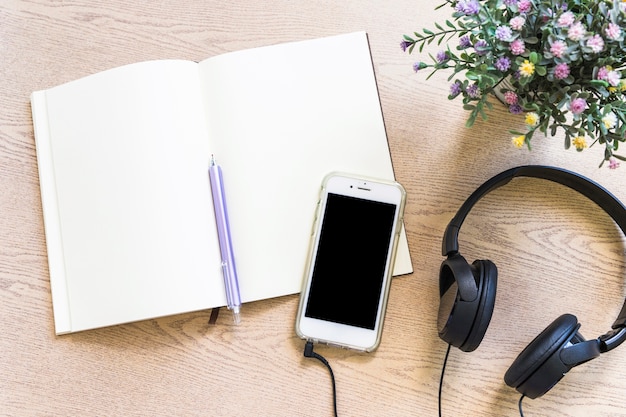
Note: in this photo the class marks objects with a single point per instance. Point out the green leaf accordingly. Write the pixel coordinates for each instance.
(470, 121)
(471, 75)
(540, 70)
(599, 83)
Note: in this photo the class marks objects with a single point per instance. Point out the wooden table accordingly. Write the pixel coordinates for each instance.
(556, 251)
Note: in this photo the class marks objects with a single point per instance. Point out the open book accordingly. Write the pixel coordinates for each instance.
(123, 161)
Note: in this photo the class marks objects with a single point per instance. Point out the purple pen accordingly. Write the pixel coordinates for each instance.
(231, 283)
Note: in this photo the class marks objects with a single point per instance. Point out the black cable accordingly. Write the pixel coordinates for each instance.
(443, 370)
(519, 404)
(308, 353)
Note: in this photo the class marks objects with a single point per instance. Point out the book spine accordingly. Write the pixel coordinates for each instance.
(52, 224)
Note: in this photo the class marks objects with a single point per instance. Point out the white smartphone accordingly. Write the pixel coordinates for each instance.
(349, 268)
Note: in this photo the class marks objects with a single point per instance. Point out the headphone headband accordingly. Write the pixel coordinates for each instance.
(590, 189)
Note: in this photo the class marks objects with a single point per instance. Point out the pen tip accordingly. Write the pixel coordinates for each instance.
(236, 317)
(212, 160)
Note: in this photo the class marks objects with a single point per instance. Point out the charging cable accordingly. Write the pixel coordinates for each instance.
(308, 353)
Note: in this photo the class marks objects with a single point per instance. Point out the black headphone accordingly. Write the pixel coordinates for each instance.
(467, 295)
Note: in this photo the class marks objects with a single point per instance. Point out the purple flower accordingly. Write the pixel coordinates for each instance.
(516, 109)
(442, 57)
(468, 7)
(561, 71)
(464, 42)
(481, 47)
(578, 105)
(473, 91)
(404, 45)
(503, 64)
(417, 66)
(455, 89)
(503, 33)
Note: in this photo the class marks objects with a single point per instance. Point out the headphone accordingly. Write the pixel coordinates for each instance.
(467, 295)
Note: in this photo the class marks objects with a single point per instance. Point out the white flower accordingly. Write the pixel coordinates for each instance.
(609, 120)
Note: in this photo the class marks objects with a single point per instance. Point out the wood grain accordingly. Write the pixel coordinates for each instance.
(556, 251)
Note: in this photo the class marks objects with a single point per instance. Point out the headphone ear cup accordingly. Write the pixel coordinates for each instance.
(467, 299)
(488, 282)
(539, 367)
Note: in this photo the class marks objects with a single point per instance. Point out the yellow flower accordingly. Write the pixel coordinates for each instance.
(580, 143)
(527, 68)
(518, 141)
(532, 119)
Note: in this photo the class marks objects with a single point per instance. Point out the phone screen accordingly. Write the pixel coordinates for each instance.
(349, 269)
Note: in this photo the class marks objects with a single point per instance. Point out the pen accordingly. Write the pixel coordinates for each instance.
(231, 283)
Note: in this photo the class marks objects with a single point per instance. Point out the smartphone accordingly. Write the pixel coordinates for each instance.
(350, 262)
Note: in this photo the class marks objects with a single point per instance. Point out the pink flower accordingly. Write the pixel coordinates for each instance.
(613, 163)
(558, 48)
(578, 105)
(614, 78)
(613, 31)
(561, 71)
(510, 97)
(603, 73)
(566, 19)
(524, 6)
(518, 47)
(576, 31)
(517, 23)
(596, 43)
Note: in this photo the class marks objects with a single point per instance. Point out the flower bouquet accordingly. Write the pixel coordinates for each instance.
(560, 63)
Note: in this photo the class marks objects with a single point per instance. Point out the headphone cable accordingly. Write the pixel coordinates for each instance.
(519, 404)
(309, 353)
(443, 370)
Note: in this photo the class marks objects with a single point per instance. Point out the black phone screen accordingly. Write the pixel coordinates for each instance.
(349, 269)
